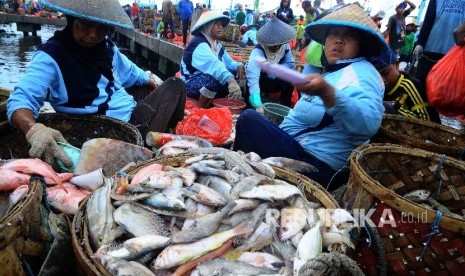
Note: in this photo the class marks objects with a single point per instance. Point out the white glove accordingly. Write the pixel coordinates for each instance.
(417, 53)
(234, 90)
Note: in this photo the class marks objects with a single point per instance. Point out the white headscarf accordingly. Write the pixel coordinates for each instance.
(206, 32)
(276, 56)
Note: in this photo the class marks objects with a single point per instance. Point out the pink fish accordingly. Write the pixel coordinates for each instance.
(66, 202)
(34, 166)
(145, 172)
(65, 177)
(10, 180)
(17, 195)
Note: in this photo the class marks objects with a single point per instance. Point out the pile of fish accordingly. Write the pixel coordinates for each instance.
(223, 213)
(64, 190)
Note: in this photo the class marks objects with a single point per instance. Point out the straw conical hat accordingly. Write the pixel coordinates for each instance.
(275, 32)
(353, 16)
(107, 12)
(206, 18)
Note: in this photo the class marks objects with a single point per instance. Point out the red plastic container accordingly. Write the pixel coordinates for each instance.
(236, 106)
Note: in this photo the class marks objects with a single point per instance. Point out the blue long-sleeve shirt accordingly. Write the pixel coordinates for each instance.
(357, 114)
(206, 62)
(250, 34)
(43, 81)
(253, 71)
(441, 18)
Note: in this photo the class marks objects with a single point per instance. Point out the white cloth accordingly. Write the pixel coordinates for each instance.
(276, 56)
(206, 31)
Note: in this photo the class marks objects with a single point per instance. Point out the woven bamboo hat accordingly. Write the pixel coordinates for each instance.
(107, 12)
(208, 17)
(275, 32)
(353, 16)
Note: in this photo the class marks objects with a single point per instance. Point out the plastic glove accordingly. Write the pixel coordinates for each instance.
(234, 90)
(255, 100)
(44, 145)
(418, 51)
(260, 110)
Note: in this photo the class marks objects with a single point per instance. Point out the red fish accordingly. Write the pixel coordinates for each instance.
(10, 180)
(66, 202)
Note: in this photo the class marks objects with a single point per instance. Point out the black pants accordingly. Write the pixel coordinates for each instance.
(268, 85)
(425, 63)
(161, 109)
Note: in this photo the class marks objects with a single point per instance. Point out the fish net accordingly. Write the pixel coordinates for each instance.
(80, 232)
(412, 238)
(75, 129)
(421, 134)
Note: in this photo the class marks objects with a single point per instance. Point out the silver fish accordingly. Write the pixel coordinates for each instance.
(290, 164)
(237, 218)
(279, 191)
(165, 202)
(99, 210)
(205, 195)
(235, 162)
(204, 226)
(231, 267)
(139, 221)
(418, 195)
(247, 183)
(120, 267)
(136, 247)
(188, 176)
(218, 184)
(230, 176)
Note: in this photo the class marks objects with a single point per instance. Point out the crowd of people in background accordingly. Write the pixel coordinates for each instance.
(20, 7)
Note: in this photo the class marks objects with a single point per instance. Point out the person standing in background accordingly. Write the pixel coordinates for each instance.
(396, 26)
(378, 17)
(316, 6)
(310, 13)
(167, 19)
(239, 19)
(407, 49)
(436, 35)
(285, 12)
(186, 8)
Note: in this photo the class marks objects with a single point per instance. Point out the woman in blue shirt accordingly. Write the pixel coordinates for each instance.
(338, 111)
(80, 71)
(206, 67)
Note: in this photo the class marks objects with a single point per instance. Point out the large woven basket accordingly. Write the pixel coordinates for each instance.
(4, 94)
(80, 234)
(75, 129)
(380, 175)
(421, 134)
(21, 231)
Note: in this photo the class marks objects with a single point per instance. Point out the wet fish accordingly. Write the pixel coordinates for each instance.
(139, 221)
(262, 168)
(284, 248)
(418, 195)
(227, 267)
(230, 176)
(145, 172)
(247, 183)
(261, 259)
(218, 184)
(204, 226)
(89, 181)
(188, 176)
(99, 210)
(310, 246)
(292, 222)
(136, 247)
(205, 195)
(120, 267)
(235, 162)
(32, 167)
(245, 205)
(260, 238)
(16, 196)
(66, 202)
(237, 218)
(165, 202)
(162, 179)
(178, 254)
(279, 191)
(290, 164)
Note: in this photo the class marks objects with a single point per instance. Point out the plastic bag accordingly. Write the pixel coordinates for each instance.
(221, 117)
(445, 84)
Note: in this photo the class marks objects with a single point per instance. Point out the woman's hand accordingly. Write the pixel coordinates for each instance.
(240, 72)
(317, 86)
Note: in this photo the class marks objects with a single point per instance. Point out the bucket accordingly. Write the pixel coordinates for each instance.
(236, 106)
(275, 112)
(76, 129)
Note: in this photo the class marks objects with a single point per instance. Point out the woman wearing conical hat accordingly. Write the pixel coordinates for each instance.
(206, 67)
(339, 110)
(273, 44)
(80, 71)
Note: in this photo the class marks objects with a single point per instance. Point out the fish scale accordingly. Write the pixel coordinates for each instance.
(234, 161)
(139, 221)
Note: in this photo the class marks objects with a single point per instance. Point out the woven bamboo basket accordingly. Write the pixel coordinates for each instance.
(231, 33)
(79, 232)
(421, 134)
(75, 129)
(21, 231)
(380, 175)
(4, 94)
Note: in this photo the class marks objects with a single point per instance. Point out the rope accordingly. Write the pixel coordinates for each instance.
(349, 202)
(435, 231)
(361, 154)
(439, 166)
(331, 264)
(439, 188)
(45, 201)
(334, 175)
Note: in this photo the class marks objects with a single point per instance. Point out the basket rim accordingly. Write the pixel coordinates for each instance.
(391, 198)
(420, 122)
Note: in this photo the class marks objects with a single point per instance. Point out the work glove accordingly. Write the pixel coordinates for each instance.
(44, 145)
(234, 90)
(255, 100)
